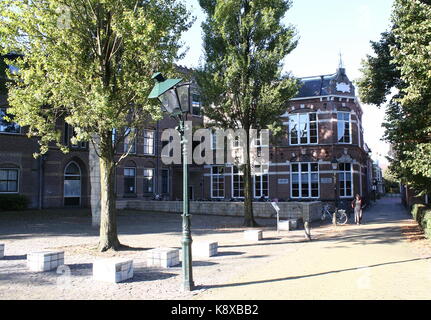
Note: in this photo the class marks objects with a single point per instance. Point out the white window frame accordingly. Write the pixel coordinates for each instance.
(73, 175)
(218, 176)
(124, 177)
(152, 179)
(17, 181)
(309, 172)
(234, 175)
(146, 144)
(351, 181)
(350, 127)
(297, 115)
(260, 173)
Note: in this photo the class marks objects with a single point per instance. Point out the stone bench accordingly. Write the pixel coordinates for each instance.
(253, 235)
(113, 270)
(1, 250)
(204, 249)
(45, 260)
(163, 257)
(287, 225)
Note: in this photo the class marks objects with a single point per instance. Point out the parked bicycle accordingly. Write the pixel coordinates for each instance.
(328, 213)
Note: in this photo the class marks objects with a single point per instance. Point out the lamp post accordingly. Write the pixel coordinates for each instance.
(175, 100)
(334, 164)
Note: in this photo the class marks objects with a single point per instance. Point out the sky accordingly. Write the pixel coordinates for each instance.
(324, 30)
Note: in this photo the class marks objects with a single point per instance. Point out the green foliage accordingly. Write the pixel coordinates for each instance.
(402, 63)
(13, 202)
(245, 44)
(87, 61)
(422, 214)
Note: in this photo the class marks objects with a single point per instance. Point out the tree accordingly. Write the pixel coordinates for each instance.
(245, 43)
(90, 63)
(402, 63)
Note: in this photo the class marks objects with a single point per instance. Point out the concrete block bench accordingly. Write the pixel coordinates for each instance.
(163, 257)
(204, 249)
(287, 225)
(113, 270)
(1, 250)
(45, 260)
(253, 235)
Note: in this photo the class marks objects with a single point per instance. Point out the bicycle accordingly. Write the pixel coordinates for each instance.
(341, 216)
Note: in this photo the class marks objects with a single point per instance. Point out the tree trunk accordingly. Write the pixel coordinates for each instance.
(248, 188)
(108, 217)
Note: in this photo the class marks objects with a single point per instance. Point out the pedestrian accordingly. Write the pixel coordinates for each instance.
(357, 207)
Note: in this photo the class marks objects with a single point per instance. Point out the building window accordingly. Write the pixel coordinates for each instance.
(217, 182)
(305, 180)
(345, 178)
(129, 180)
(196, 104)
(128, 143)
(165, 180)
(7, 126)
(261, 183)
(238, 182)
(72, 185)
(148, 180)
(148, 142)
(9, 180)
(68, 134)
(344, 127)
(303, 128)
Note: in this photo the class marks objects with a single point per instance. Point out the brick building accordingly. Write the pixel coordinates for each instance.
(323, 123)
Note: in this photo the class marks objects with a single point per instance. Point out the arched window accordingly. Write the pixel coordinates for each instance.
(72, 185)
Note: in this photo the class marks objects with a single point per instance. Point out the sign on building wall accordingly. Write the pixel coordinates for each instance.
(283, 181)
(325, 180)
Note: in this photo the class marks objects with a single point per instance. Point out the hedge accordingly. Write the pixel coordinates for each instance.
(13, 202)
(422, 214)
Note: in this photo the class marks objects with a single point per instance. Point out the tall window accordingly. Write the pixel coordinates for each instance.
(8, 180)
(165, 180)
(6, 126)
(238, 182)
(303, 128)
(129, 180)
(72, 185)
(217, 181)
(128, 142)
(305, 180)
(260, 183)
(148, 142)
(148, 180)
(196, 104)
(345, 178)
(344, 127)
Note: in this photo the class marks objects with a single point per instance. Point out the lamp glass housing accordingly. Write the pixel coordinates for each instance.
(183, 92)
(170, 101)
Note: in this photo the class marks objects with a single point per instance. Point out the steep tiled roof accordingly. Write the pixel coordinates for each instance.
(332, 84)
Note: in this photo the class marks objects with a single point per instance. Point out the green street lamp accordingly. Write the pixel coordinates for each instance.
(175, 100)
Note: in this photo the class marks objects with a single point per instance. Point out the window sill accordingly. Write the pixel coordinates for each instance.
(130, 195)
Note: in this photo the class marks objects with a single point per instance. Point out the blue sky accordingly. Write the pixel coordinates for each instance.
(324, 28)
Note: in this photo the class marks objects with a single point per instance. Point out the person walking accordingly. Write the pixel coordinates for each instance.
(357, 207)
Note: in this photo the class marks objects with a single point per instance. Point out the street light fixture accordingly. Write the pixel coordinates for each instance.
(175, 100)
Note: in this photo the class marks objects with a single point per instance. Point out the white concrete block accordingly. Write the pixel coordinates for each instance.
(253, 235)
(45, 260)
(1, 250)
(113, 270)
(284, 225)
(204, 249)
(163, 257)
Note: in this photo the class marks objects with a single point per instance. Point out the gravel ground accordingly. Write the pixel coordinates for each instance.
(71, 231)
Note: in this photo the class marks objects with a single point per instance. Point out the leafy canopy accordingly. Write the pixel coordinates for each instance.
(88, 61)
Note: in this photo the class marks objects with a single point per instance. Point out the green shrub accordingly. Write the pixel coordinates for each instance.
(13, 202)
(422, 214)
